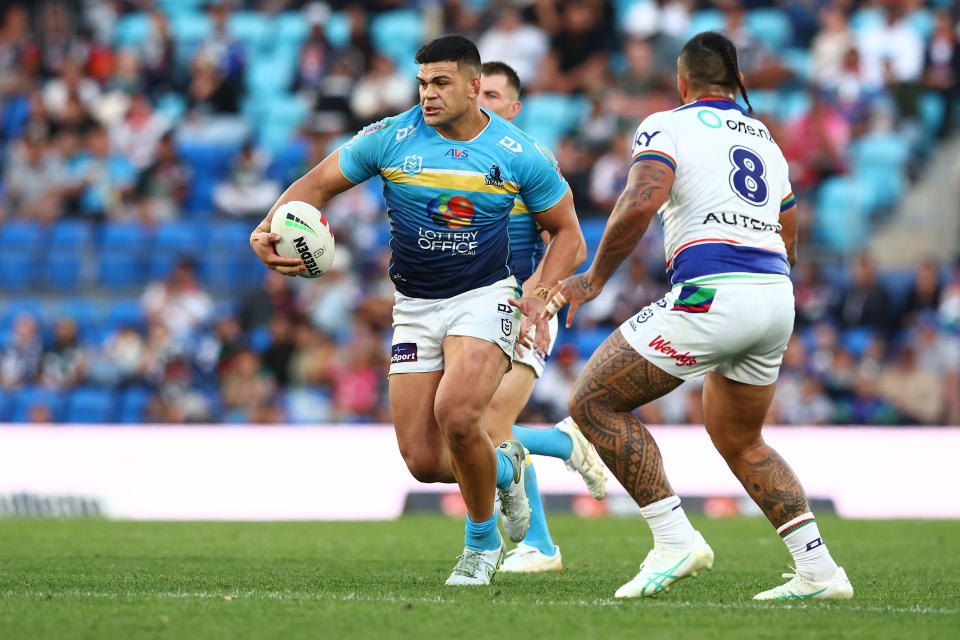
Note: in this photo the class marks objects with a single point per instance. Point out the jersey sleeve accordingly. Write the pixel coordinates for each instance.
(788, 200)
(361, 156)
(541, 183)
(654, 141)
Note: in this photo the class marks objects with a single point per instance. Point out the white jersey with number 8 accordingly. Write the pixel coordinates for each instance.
(721, 219)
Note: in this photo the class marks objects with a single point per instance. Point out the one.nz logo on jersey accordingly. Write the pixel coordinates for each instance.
(448, 210)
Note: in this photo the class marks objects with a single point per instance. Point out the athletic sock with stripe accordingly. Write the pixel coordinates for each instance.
(671, 529)
(802, 537)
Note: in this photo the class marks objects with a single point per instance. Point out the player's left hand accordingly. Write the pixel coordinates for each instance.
(574, 291)
(533, 309)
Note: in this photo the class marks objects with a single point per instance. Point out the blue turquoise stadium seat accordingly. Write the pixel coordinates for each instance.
(866, 19)
(589, 340)
(842, 221)
(337, 30)
(794, 104)
(548, 116)
(267, 76)
(706, 20)
(279, 117)
(133, 405)
(287, 159)
(124, 255)
(91, 405)
(932, 108)
(249, 27)
(897, 284)
(228, 263)
(772, 26)
(209, 163)
(799, 61)
(397, 34)
(592, 229)
(922, 22)
(175, 241)
(83, 311)
(132, 30)
(23, 244)
(879, 161)
(70, 241)
(857, 340)
(290, 29)
(11, 308)
(25, 399)
(124, 312)
(7, 402)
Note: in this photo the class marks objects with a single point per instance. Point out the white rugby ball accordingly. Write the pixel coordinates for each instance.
(305, 234)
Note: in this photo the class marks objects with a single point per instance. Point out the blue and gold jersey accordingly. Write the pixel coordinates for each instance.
(526, 243)
(449, 201)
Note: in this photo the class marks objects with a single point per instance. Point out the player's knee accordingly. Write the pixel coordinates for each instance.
(733, 446)
(423, 468)
(458, 420)
(581, 407)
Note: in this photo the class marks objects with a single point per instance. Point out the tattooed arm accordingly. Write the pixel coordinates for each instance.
(648, 185)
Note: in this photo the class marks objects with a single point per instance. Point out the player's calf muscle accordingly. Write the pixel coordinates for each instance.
(771, 483)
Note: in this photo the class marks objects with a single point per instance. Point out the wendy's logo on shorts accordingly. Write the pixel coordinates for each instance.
(663, 346)
(403, 352)
(450, 211)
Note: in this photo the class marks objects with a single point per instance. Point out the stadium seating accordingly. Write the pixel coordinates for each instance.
(124, 255)
(70, 243)
(90, 405)
(23, 244)
(842, 222)
(771, 25)
(133, 404)
(29, 398)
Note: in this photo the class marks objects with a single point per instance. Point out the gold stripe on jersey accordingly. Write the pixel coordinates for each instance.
(439, 179)
(519, 208)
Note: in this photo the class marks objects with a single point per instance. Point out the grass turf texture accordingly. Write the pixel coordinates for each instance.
(96, 579)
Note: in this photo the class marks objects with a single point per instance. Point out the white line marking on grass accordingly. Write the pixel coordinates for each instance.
(355, 597)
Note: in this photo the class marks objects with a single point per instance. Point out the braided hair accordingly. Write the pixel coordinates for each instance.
(710, 58)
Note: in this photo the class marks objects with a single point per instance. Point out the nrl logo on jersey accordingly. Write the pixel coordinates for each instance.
(412, 165)
(494, 177)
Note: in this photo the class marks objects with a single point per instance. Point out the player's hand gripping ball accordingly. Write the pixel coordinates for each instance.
(304, 234)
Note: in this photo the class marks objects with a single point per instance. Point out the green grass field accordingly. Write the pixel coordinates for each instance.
(96, 579)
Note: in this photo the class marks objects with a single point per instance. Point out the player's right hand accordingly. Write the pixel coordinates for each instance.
(264, 244)
(574, 291)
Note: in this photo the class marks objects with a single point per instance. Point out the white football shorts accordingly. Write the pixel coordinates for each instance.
(532, 357)
(421, 324)
(738, 330)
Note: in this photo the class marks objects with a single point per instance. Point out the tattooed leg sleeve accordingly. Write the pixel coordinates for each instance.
(616, 381)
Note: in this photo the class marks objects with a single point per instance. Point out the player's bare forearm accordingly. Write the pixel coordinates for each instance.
(316, 187)
(566, 240)
(537, 276)
(788, 231)
(648, 185)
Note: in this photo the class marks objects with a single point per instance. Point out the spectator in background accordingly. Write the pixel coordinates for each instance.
(519, 44)
(65, 363)
(273, 297)
(335, 297)
(925, 292)
(248, 191)
(246, 387)
(829, 47)
(121, 359)
(641, 89)
(177, 401)
(864, 303)
(278, 356)
(382, 91)
(942, 67)
(760, 68)
(70, 89)
(609, 173)
(158, 51)
(224, 52)
(217, 349)
(127, 76)
(165, 182)
(554, 388)
(865, 405)
(137, 135)
(210, 92)
(356, 382)
(21, 358)
(179, 303)
(892, 41)
(813, 294)
(578, 51)
(817, 144)
(34, 172)
(917, 394)
(98, 179)
(316, 54)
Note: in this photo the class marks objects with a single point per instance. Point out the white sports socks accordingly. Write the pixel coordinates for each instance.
(671, 529)
(802, 537)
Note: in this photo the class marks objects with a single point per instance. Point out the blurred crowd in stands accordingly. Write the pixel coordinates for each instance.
(140, 141)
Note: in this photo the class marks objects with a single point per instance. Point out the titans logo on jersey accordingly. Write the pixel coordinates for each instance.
(449, 201)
